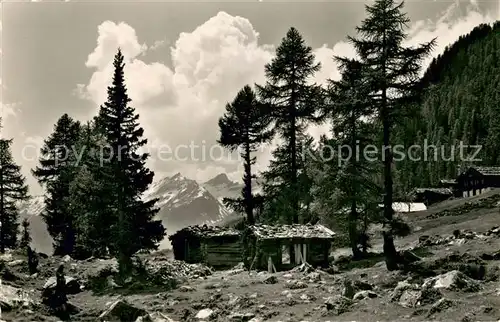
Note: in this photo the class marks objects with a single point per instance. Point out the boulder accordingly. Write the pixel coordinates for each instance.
(204, 314)
(453, 280)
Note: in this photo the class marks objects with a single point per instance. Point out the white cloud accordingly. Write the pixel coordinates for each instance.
(209, 65)
(158, 44)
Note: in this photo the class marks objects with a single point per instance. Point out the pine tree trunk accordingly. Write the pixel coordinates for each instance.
(353, 234)
(353, 216)
(391, 255)
(249, 203)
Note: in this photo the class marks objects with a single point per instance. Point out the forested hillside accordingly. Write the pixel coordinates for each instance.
(461, 104)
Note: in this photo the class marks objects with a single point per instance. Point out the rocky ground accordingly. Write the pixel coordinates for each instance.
(454, 276)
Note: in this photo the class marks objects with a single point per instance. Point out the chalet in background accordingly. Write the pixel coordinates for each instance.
(476, 180)
(450, 184)
(430, 196)
(219, 247)
(267, 247)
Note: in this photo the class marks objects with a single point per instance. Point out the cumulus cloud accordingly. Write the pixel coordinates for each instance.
(180, 104)
(209, 65)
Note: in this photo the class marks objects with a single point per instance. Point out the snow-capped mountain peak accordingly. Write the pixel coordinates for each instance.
(219, 180)
(182, 201)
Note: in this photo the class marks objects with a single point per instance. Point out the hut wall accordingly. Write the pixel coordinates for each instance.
(266, 248)
(222, 252)
(318, 252)
(194, 252)
(178, 248)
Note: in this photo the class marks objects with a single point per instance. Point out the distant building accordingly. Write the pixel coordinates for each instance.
(219, 247)
(403, 207)
(451, 184)
(429, 196)
(267, 247)
(476, 180)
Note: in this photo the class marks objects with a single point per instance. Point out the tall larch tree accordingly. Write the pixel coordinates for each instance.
(395, 84)
(13, 189)
(245, 125)
(135, 228)
(295, 102)
(55, 173)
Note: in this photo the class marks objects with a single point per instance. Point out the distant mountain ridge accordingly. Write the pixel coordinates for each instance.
(182, 202)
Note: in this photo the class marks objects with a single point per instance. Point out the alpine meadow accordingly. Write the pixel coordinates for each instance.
(215, 172)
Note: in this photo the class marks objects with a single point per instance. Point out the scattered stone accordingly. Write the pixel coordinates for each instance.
(16, 262)
(72, 285)
(155, 317)
(121, 310)
(314, 277)
(440, 306)
(304, 268)
(453, 280)
(13, 297)
(213, 286)
(204, 314)
(271, 280)
(362, 286)
(400, 288)
(338, 304)
(348, 290)
(241, 317)
(409, 298)
(295, 284)
(185, 288)
(361, 295)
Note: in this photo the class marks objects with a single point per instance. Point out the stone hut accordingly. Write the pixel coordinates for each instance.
(219, 247)
(268, 247)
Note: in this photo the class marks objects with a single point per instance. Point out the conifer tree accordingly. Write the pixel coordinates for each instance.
(353, 131)
(135, 228)
(245, 125)
(394, 80)
(90, 194)
(25, 235)
(12, 190)
(55, 173)
(295, 103)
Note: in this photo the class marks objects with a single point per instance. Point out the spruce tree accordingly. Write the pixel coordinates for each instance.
(353, 129)
(55, 173)
(90, 194)
(13, 189)
(394, 81)
(245, 125)
(295, 103)
(135, 228)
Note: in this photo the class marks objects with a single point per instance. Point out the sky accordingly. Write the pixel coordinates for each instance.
(184, 62)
